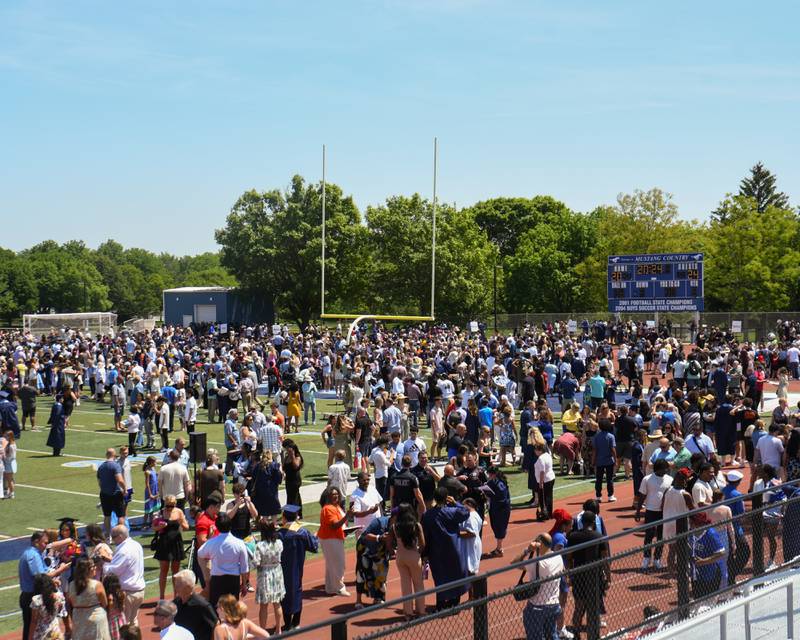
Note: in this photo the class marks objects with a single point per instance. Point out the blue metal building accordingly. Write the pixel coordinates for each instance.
(224, 305)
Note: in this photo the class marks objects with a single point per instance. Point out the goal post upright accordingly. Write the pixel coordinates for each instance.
(322, 296)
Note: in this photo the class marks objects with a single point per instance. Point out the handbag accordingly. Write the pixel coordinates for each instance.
(526, 590)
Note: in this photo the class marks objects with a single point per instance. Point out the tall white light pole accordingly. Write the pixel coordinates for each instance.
(433, 234)
(323, 231)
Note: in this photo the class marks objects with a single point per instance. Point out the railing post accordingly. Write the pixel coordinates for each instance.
(758, 535)
(480, 612)
(682, 566)
(790, 610)
(339, 630)
(595, 604)
(723, 626)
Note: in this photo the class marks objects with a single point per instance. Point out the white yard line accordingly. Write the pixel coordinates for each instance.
(72, 493)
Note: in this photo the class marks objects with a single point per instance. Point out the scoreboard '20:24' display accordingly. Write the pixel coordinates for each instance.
(655, 282)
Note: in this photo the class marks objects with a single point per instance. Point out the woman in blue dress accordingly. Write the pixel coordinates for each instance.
(499, 508)
(152, 503)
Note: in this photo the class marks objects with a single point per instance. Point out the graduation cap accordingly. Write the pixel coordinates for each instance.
(68, 521)
(291, 508)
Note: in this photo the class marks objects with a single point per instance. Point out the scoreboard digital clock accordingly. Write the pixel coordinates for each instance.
(655, 282)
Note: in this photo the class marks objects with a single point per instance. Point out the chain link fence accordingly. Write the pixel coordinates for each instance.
(755, 325)
(605, 592)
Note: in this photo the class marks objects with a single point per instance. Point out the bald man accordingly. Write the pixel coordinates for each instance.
(112, 490)
(454, 486)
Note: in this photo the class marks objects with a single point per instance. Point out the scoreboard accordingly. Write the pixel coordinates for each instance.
(655, 282)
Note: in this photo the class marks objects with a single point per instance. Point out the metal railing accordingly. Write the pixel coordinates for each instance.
(613, 607)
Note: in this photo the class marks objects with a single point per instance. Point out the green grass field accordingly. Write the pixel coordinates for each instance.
(50, 488)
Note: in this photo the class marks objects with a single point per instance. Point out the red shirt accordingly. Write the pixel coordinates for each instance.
(205, 525)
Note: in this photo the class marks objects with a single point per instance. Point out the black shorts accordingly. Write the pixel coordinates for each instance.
(624, 450)
(29, 413)
(113, 504)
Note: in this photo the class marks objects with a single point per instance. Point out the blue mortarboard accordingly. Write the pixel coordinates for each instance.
(291, 508)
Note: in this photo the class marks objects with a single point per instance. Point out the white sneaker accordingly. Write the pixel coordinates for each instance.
(344, 592)
(566, 634)
(658, 564)
(612, 498)
(646, 563)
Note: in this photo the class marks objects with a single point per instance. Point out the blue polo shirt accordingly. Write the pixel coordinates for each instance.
(737, 508)
(486, 417)
(31, 564)
(604, 442)
(107, 477)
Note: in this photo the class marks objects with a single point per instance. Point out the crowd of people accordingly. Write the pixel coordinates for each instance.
(480, 400)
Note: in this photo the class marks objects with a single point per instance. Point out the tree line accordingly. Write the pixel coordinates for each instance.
(545, 256)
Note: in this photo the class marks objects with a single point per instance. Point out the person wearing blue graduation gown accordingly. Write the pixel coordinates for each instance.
(297, 541)
(8, 413)
(57, 437)
(441, 525)
(725, 429)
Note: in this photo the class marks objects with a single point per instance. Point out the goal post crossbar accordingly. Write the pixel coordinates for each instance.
(358, 318)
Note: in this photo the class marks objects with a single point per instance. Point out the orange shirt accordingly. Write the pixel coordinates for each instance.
(278, 419)
(329, 515)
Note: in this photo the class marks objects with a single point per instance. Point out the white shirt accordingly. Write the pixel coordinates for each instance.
(544, 464)
(126, 473)
(472, 548)
(338, 476)
(548, 591)
(771, 450)
(364, 501)
(127, 564)
(397, 385)
(227, 553)
(700, 444)
(702, 492)
(174, 632)
(133, 423)
(381, 462)
(653, 489)
(171, 479)
(412, 447)
(190, 413)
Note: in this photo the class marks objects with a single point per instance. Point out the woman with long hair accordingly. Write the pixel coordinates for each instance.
(88, 602)
(68, 398)
(116, 603)
(342, 435)
(270, 588)
(152, 501)
(9, 464)
(267, 478)
(46, 608)
(169, 547)
(507, 435)
(499, 508)
(233, 623)
(96, 549)
(473, 422)
(293, 409)
(332, 519)
(293, 479)
(407, 537)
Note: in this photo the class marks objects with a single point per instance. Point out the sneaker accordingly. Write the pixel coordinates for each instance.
(566, 634)
(344, 592)
(658, 564)
(612, 498)
(646, 563)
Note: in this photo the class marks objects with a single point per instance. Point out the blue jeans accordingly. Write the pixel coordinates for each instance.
(306, 407)
(540, 621)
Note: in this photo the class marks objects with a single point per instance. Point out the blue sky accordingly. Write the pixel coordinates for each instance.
(144, 121)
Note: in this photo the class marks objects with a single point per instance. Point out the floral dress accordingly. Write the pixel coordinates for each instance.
(47, 625)
(269, 584)
(152, 505)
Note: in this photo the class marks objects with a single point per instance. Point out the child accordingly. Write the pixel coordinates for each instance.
(116, 600)
(152, 503)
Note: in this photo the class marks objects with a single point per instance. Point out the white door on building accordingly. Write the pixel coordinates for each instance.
(205, 313)
(187, 320)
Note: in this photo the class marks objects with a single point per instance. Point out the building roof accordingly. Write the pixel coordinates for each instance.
(197, 289)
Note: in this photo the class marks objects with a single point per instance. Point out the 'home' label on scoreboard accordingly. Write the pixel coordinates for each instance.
(655, 282)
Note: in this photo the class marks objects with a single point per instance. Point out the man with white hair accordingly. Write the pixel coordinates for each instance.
(127, 564)
(195, 613)
(164, 616)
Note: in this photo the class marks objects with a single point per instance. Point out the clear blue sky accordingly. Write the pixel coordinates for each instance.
(143, 121)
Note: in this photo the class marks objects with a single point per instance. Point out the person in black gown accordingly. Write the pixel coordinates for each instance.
(297, 541)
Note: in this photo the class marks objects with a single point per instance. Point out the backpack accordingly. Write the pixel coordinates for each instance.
(694, 368)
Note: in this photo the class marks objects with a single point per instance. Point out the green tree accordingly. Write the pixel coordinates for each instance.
(505, 219)
(18, 292)
(541, 275)
(66, 278)
(272, 244)
(760, 185)
(752, 262)
(400, 234)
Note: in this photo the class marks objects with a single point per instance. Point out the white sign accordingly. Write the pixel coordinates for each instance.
(473, 326)
(223, 328)
(276, 329)
(736, 326)
(651, 324)
(572, 326)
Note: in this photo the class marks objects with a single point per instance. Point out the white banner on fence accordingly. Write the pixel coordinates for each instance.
(572, 326)
(736, 326)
